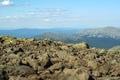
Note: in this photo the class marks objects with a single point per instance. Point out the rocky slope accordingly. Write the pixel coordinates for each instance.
(28, 59)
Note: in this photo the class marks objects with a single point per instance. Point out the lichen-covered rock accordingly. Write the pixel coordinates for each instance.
(19, 70)
(83, 45)
(7, 39)
(28, 59)
(31, 62)
(45, 61)
(57, 66)
(17, 78)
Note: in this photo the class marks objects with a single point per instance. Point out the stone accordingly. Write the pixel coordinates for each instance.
(19, 70)
(45, 61)
(29, 59)
(83, 45)
(33, 63)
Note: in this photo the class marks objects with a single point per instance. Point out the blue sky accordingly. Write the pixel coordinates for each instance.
(16, 14)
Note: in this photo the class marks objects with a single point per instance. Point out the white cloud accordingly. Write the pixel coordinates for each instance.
(11, 18)
(6, 3)
(31, 13)
(51, 13)
(46, 20)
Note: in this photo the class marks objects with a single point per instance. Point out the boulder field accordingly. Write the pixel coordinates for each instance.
(29, 59)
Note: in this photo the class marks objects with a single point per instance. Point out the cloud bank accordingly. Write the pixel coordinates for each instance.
(6, 3)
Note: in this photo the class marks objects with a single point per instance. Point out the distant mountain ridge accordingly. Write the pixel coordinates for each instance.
(28, 33)
(101, 37)
(67, 38)
(108, 32)
(106, 37)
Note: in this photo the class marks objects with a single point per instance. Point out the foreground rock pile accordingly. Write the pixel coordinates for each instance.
(28, 59)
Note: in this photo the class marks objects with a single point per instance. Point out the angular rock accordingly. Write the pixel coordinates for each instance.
(83, 45)
(28, 59)
(19, 70)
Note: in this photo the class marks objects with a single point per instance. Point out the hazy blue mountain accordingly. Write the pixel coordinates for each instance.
(101, 37)
(33, 32)
(67, 38)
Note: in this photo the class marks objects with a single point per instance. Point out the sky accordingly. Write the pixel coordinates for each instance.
(16, 14)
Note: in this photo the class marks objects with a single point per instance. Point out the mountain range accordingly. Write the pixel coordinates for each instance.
(107, 37)
(28, 33)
